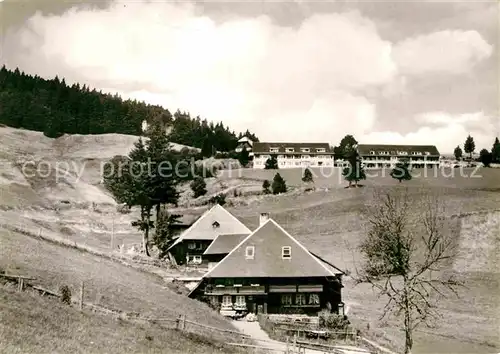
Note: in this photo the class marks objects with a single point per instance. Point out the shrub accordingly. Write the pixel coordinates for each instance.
(332, 321)
(307, 177)
(65, 294)
(198, 186)
(218, 199)
(235, 193)
(265, 187)
(271, 163)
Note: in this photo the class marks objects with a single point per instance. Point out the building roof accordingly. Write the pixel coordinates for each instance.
(268, 240)
(223, 244)
(364, 149)
(263, 147)
(246, 139)
(214, 222)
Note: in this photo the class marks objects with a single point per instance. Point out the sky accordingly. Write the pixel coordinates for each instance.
(410, 72)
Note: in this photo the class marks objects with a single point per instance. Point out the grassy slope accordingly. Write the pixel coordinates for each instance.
(32, 324)
(107, 283)
(328, 223)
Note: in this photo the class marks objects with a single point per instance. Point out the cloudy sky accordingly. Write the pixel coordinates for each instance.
(415, 72)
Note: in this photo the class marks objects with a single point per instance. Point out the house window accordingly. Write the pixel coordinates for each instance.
(286, 299)
(289, 149)
(195, 259)
(305, 150)
(215, 224)
(314, 299)
(286, 252)
(191, 245)
(372, 152)
(250, 252)
(300, 299)
(321, 150)
(227, 300)
(305, 156)
(274, 149)
(240, 300)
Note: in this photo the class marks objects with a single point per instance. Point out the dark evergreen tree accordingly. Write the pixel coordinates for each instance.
(271, 163)
(401, 172)
(485, 157)
(163, 237)
(279, 185)
(207, 148)
(244, 157)
(495, 151)
(355, 171)
(458, 153)
(469, 146)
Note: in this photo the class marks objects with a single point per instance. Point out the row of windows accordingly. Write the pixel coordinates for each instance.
(289, 149)
(286, 252)
(300, 299)
(399, 153)
(265, 157)
(286, 299)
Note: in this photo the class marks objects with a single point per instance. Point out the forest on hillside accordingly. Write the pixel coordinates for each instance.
(55, 108)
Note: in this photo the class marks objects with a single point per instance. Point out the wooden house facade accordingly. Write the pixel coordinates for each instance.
(269, 271)
(189, 247)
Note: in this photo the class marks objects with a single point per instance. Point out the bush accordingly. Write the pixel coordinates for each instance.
(218, 199)
(307, 177)
(332, 321)
(65, 294)
(198, 186)
(123, 209)
(265, 187)
(271, 163)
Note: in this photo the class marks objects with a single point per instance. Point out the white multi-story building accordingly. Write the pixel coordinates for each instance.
(293, 155)
(386, 156)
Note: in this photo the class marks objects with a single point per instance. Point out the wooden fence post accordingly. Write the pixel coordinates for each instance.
(81, 295)
(178, 322)
(20, 284)
(184, 322)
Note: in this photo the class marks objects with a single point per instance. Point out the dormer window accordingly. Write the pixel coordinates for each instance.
(304, 150)
(215, 224)
(250, 252)
(289, 149)
(321, 150)
(372, 152)
(286, 252)
(274, 149)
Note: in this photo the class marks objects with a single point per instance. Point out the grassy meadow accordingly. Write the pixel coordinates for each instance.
(34, 324)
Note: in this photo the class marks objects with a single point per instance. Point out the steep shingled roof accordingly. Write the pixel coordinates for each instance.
(263, 147)
(364, 149)
(204, 229)
(223, 244)
(268, 240)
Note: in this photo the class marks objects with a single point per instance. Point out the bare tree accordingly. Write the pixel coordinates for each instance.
(406, 250)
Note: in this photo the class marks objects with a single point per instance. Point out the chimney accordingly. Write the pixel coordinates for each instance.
(263, 218)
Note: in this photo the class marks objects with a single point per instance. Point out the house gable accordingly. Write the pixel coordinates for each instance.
(223, 244)
(212, 223)
(274, 253)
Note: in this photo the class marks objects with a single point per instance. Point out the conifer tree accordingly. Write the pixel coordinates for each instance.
(279, 185)
(355, 171)
(401, 172)
(469, 146)
(271, 163)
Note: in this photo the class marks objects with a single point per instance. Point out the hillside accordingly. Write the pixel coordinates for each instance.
(326, 220)
(34, 324)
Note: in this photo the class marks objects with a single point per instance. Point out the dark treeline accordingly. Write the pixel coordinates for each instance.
(53, 107)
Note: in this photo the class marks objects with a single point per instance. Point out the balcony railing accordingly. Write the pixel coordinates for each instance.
(235, 290)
